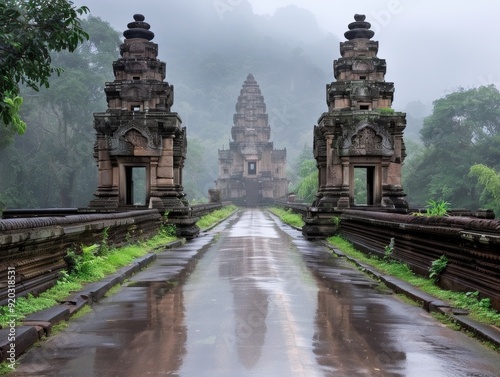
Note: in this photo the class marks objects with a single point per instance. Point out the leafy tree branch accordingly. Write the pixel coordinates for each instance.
(29, 31)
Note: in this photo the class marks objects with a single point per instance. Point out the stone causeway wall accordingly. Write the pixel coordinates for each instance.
(36, 246)
(472, 246)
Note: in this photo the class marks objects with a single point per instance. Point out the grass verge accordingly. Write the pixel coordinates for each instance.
(215, 216)
(479, 309)
(287, 216)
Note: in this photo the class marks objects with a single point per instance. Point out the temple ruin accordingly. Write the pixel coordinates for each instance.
(251, 172)
(360, 136)
(358, 142)
(141, 144)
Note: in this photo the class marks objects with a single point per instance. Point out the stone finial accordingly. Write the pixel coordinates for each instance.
(359, 28)
(138, 29)
(250, 79)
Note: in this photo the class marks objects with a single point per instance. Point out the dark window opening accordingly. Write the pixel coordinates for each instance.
(252, 167)
(136, 78)
(364, 107)
(362, 77)
(364, 185)
(226, 171)
(136, 185)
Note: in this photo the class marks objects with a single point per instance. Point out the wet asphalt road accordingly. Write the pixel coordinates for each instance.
(261, 301)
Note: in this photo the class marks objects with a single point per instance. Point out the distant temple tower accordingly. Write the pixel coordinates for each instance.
(141, 146)
(358, 143)
(251, 172)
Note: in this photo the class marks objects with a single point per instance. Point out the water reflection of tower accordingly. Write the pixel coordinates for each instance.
(251, 302)
(158, 329)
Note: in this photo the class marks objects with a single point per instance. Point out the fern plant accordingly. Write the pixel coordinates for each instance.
(389, 249)
(437, 208)
(437, 267)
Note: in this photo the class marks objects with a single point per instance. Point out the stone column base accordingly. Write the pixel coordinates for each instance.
(320, 223)
(184, 221)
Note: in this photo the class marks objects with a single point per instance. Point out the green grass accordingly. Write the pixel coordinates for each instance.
(215, 216)
(288, 217)
(4, 368)
(88, 267)
(480, 309)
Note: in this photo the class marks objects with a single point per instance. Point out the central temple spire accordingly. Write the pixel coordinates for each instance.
(251, 172)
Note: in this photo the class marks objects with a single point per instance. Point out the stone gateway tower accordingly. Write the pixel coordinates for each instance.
(141, 145)
(251, 172)
(358, 143)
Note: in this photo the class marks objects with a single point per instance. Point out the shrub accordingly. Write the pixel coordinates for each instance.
(437, 267)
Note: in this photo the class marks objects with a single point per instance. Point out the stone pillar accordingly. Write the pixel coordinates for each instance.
(105, 175)
(165, 170)
(106, 196)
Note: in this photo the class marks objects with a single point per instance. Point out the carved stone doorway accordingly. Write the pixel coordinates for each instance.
(135, 188)
(365, 187)
(253, 194)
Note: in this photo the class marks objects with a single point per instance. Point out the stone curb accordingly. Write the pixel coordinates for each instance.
(429, 303)
(39, 324)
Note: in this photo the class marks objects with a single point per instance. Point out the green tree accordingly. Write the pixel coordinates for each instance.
(52, 165)
(198, 174)
(462, 130)
(29, 31)
(489, 180)
(304, 175)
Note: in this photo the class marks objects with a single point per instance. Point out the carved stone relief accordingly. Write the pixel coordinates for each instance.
(136, 139)
(126, 140)
(367, 139)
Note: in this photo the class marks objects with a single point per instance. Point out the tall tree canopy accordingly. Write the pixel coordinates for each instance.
(29, 31)
(52, 165)
(463, 130)
(489, 180)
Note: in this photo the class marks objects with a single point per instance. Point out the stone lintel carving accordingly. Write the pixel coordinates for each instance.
(135, 136)
(366, 139)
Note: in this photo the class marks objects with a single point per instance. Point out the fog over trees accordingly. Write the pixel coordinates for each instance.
(210, 46)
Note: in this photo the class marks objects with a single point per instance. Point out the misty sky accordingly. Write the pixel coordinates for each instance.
(431, 47)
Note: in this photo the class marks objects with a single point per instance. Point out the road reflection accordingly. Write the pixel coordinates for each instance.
(241, 267)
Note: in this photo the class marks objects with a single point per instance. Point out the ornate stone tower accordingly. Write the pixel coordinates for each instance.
(251, 172)
(141, 145)
(358, 143)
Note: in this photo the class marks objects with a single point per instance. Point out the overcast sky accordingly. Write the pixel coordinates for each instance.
(432, 47)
